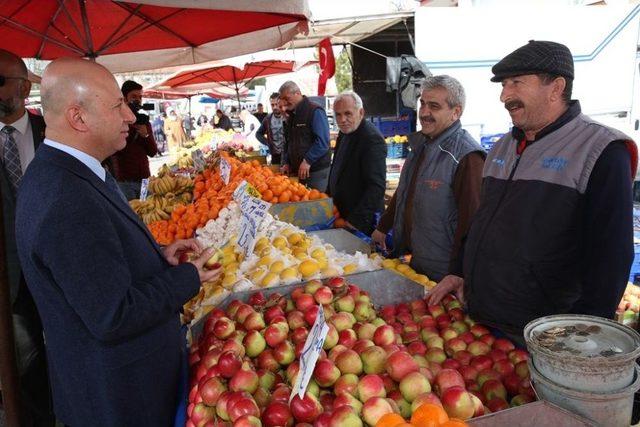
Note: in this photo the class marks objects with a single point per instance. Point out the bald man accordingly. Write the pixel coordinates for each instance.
(20, 135)
(108, 295)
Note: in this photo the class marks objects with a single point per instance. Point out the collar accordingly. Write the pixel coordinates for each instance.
(572, 112)
(20, 125)
(89, 161)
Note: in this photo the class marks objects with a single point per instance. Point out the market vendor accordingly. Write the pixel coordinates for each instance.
(554, 230)
(109, 297)
(439, 187)
(271, 131)
(307, 153)
(358, 173)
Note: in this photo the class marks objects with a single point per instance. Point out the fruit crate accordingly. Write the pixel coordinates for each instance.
(307, 214)
(540, 413)
(343, 241)
(384, 287)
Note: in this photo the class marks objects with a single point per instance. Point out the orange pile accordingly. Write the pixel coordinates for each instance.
(427, 415)
(210, 195)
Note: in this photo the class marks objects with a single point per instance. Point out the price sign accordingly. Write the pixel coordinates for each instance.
(144, 185)
(253, 211)
(310, 353)
(198, 159)
(225, 170)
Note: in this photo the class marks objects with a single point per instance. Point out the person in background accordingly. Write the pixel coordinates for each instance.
(108, 295)
(157, 126)
(131, 164)
(224, 122)
(260, 114)
(439, 189)
(174, 131)
(21, 133)
(202, 120)
(554, 230)
(307, 153)
(250, 127)
(187, 124)
(358, 173)
(271, 131)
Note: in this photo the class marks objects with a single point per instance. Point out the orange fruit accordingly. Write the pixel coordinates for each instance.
(454, 422)
(428, 415)
(390, 420)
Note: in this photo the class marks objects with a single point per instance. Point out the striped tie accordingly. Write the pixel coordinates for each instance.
(11, 156)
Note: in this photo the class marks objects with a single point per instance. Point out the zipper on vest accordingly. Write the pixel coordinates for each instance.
(493, 214)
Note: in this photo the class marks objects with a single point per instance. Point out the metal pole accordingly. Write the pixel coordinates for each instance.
(8, 366)
(235, 81)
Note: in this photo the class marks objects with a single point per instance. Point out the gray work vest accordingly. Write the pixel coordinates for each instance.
(435, 215)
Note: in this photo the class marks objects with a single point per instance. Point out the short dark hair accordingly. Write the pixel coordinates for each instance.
(274, 95)
(547, 78)
(260, 104)
(130, 86)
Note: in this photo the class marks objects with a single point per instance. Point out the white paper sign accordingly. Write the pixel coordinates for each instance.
(310, 353)
(253, 211)
(225, 171)
(144, 185)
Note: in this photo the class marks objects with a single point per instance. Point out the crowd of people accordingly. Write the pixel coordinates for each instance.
(542, 224)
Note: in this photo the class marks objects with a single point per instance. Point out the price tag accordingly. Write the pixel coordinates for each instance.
(310, 354)
(225, 171)
(253, 211)
(144, 184)
(245, 190)
(198, 159)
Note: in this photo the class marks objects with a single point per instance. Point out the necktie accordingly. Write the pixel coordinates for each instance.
(113, 186)
(11, 156)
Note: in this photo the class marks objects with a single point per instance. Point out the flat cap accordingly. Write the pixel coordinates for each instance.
(536, 57)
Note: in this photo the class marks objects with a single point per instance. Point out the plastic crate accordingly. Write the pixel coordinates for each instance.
(390, 126)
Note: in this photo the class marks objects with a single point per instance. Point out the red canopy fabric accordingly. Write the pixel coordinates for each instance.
(175, 35)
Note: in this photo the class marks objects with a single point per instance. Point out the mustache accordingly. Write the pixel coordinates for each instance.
(6, 108)
(513, 104)
(428, 119)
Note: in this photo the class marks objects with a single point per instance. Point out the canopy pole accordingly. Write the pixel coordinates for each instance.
(8, 366)
(235, 82)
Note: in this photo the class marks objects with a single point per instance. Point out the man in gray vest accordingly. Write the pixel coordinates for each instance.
(439, 187)
(553, 233)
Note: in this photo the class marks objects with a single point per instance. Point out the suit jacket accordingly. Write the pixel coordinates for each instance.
(9, 211)
(108, 300)
(361, 169)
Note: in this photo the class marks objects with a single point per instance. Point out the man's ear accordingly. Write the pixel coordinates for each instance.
(25, 89)
(75, 118)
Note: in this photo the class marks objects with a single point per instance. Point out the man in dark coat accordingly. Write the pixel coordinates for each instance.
(358, 173)
(108, 295)
(21, 133)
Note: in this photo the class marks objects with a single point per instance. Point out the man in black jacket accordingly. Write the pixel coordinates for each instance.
(358, 173)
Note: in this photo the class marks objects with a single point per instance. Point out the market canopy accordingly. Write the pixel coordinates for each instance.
(214, 92)
(148, 34)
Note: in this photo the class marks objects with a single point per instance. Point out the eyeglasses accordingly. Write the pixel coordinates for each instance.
(3, 79)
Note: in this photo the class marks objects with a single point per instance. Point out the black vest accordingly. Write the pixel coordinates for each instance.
(299, 137)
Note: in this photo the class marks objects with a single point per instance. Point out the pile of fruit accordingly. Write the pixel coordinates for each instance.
(166, 193)
(210, 195)
(398, 266)
(627, 311)
(396, 139)
(372, 363)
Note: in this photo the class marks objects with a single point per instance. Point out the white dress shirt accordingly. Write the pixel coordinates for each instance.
(89, 161)
(24, 139)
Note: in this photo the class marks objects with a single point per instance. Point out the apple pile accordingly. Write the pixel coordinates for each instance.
(629, 306)
(373, 362)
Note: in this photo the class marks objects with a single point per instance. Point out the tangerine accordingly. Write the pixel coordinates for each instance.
(428, 415)
(390, 420)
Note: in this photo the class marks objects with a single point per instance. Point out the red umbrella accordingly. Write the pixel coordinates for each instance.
(169, 32)
(228, 75)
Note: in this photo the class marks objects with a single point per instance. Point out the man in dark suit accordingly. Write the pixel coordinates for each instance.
(108, 295)
(20, 135)
(358, 173)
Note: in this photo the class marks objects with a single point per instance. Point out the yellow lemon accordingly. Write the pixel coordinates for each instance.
(286, 251)
(402, 268)
(295, 238)
(256, 275)
(270, 279)
(411, 275)
(329, 272)
(350, 268)
(323, 263)
(226, 260)
(288, 273)
(231, 268)
(300, 254)
(279, 242)
(318, 253)
(308, 268)
(229, 280)
(389, 263)
(304, 244)
(265, 260)
(422, 279)
(266, 251)
(276, 267)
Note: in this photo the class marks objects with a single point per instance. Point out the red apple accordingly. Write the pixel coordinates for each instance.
(486, 375)
(228, 364)
(481, 363)
(384, 335)
(469, 373)
(276, 333)
(458, 403)
(478, 330)
(211, 391)
(347, 337)
(451, 364)
(374, 408)
(503, 344)
(336, 283)
(511, 383)
(370, 386)
(266, 361)
(497, 404)
(496, 355)
(374, 359)
(521, 399)
(414, 384)
(463, 356)
(522, 370)
(202, 413)
(425, 398)
(243, 406)
(295, 319)
(493, 388)
(326, 373)
(223, 327)
(284, 353)
(399, 364)
(446, 379)
(273, 312)
(347, 383)
(344, 417)
(310, 314)
(503, 367)
(305, 409)
(349, 362)
(478, 348)
(518, 355)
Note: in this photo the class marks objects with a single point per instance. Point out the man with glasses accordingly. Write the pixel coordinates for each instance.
(20, 135)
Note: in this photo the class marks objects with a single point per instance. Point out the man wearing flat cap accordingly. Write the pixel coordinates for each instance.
(553, 233)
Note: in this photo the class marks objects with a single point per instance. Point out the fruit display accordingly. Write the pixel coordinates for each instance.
(283, 254)
(406, 361)
(210, 195)
(398, 266)
(627, 311)
(166, 193)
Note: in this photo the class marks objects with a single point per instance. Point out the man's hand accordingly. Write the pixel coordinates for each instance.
(142, 130)
(448, 284)
(380, 238)
(205, 274)
(173, 251)
(284, 169)
(303, 170)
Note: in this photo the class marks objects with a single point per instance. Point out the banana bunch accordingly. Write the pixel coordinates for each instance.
(155, 208)
(185, 162)
(168, 184)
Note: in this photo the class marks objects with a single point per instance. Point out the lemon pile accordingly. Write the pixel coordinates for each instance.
(405, 270)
